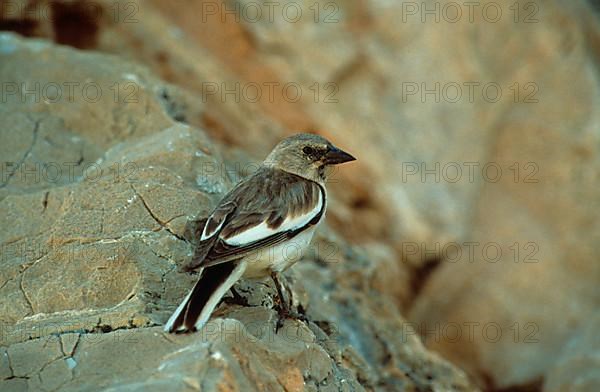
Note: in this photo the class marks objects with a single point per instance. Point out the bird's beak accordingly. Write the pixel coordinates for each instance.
(335, 156)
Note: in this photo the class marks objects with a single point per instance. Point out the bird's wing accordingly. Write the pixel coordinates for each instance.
(268, 208)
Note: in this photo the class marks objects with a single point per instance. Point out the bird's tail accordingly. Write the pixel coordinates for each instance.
(195, 310)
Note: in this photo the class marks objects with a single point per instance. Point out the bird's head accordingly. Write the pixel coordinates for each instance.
(307, 155)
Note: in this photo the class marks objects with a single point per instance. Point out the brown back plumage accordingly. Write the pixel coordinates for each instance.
(269, 195)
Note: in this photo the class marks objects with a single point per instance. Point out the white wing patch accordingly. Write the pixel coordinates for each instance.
(205, 234)
(262, 230)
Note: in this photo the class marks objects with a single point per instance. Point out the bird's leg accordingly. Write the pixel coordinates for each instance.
(283, 305)
(290, 293)
(285, 308)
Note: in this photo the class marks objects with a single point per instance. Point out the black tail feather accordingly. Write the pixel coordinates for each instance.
(208, 285)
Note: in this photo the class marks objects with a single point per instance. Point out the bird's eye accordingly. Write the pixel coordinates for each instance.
(308, 150)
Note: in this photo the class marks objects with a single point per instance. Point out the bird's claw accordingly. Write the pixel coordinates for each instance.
(285, 312)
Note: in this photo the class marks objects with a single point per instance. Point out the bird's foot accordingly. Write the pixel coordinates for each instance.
(285, 312)
(285, 308)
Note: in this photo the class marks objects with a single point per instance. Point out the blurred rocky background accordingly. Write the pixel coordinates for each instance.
(460, 250)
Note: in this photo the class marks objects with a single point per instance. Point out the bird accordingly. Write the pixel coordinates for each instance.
(261, 227)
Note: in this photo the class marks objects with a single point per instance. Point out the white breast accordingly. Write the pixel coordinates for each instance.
(278, 257)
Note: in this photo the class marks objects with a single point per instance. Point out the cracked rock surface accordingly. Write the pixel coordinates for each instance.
(90, 255)
(91, 242)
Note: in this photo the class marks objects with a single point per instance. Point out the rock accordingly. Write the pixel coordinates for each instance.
(532, 277)
(90, 270)
(577, 366)
(105, 229)
(364, 78)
